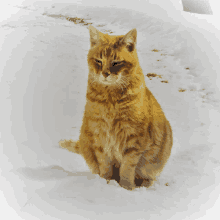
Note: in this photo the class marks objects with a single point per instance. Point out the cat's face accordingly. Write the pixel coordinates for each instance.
(111, 58)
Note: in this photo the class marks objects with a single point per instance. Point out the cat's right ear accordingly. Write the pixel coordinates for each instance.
(94, 36)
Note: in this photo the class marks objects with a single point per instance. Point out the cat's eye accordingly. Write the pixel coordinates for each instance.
(98, 61)
(116, 63)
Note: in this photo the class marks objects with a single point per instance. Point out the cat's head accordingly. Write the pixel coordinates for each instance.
(112, 59)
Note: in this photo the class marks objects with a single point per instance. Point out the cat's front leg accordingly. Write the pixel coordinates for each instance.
(106, 172)
(104, 164)
(128, 166)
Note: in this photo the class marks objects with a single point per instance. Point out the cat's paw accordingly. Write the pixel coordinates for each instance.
(105, 175)
(95, 169)
(127, 185)
(147, 183)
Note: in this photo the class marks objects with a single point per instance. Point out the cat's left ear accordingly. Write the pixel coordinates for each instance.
(130, 39)
(94, 35)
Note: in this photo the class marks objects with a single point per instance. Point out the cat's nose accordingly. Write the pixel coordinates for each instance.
(105, 74)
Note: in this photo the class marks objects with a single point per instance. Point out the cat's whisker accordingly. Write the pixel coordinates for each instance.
(123, 83)
(92, 82)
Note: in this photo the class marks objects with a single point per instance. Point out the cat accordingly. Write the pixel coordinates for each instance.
(125, 135)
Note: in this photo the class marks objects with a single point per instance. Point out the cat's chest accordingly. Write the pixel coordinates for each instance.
(111, 145)
(106, 113)
(110, 114)
(106, 132)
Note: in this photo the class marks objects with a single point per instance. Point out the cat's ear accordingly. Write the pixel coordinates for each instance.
(129, 39)
(94, 35)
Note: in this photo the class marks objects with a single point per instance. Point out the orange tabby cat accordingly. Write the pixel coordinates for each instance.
(125, 135)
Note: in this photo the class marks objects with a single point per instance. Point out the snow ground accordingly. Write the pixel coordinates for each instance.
(43, 84)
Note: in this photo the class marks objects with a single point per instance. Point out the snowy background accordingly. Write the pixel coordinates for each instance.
(43, 72)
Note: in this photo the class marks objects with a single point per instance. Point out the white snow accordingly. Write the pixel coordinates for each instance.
(43, 85)
(197, 6)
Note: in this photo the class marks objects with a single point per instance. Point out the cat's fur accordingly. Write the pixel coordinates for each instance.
(125, 135)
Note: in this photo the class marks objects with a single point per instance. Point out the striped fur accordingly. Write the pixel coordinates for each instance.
(125, 135)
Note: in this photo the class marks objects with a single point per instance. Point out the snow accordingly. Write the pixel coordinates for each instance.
(195, 6)
(43, 85)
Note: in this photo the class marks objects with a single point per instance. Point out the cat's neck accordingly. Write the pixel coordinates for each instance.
(104, 94)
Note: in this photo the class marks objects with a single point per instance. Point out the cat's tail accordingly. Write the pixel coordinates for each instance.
(70, 145)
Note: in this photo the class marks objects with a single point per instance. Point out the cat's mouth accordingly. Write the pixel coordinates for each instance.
(109, 80)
